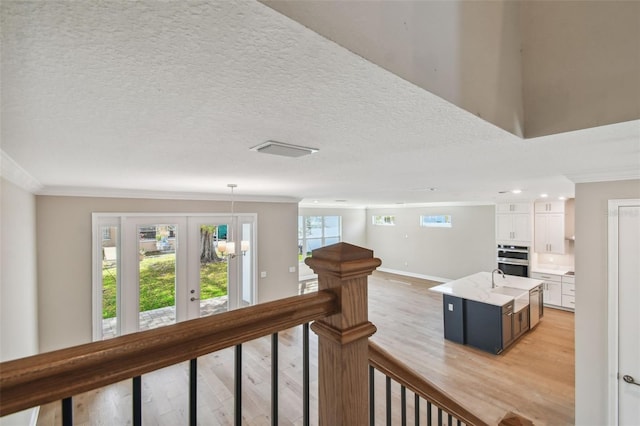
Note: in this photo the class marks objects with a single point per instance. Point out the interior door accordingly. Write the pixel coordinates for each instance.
(628, 315)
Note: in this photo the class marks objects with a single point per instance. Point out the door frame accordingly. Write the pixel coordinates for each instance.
(612, 302)
(116, 219)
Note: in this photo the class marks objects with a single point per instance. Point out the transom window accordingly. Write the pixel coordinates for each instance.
(437, 221)
(383, 220)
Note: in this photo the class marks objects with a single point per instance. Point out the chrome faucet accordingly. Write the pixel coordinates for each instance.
(493, 283)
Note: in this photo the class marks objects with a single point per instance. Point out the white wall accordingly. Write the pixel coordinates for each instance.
(64, 262)
(467, 247)
(18, 280)
(591, 295)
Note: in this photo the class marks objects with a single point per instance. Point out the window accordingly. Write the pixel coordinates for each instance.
(147, 232)
(106, 233)
(317, 231)
(384, 220)
(437, 221)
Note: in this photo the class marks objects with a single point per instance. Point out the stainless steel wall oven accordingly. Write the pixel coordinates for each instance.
(513, 260)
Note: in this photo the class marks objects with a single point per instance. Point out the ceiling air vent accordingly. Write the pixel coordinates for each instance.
(283, 149)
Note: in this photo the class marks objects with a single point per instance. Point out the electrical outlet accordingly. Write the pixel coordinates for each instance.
(451, 307)
(263, 274)
(292, 268)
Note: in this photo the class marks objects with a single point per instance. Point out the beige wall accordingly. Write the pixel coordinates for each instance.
(581, 61)
(438, 253)
(465, 52)
(530, 67)
(18, 286)
(64, 248)
(18, 280)
(591, 295)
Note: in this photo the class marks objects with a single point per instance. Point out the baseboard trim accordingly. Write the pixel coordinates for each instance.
(414, 275)
(307, 278)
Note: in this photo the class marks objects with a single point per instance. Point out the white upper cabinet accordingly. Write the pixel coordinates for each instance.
(553, 226)
(550, 207)
(549, 233)
(514, 224)
(524, 208)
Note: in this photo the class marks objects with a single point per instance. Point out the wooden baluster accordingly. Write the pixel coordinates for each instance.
(343, 337)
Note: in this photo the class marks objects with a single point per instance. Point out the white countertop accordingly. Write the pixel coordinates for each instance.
(552, 271)
(478, 287)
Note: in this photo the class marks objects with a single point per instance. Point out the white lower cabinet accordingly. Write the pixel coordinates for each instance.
(568, 292)
(558, 290)
(552, 293)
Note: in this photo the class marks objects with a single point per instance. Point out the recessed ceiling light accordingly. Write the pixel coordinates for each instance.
(516, 191)
(283, 149)
(544, 195)
(562, 198)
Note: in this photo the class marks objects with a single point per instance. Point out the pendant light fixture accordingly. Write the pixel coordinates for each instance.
(228, 247)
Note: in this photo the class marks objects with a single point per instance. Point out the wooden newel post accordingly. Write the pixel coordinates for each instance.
(343, 338)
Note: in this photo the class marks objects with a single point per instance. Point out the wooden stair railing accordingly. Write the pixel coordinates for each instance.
(339, 310)
(408, 378)
(52, 376)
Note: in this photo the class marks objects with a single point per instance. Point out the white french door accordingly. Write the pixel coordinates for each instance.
(156, 270)
(153, 276)
(240, 289)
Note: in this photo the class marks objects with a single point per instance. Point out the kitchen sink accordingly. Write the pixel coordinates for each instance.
(509, 291)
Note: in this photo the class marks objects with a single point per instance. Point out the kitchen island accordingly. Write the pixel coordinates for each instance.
(490, 318)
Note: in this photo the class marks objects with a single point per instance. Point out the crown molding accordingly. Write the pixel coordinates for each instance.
(14, 173)
(310, 205)
(608, 175)
(433, 204)
(75, 191)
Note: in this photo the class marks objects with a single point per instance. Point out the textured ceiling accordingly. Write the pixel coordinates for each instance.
(138, 97)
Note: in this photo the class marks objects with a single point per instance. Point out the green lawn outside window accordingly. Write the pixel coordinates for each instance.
(157, 284)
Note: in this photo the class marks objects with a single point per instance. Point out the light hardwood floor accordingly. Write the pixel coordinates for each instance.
(534, 378)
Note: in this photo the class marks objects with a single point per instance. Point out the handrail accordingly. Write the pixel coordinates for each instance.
(40, 379)
(398, 371)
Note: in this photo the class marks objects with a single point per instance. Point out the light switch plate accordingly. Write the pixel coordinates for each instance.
(451, 307)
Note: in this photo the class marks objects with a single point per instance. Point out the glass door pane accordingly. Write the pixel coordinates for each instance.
(157, 274)
(247, 296)
(213, 269)
(109, 279)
